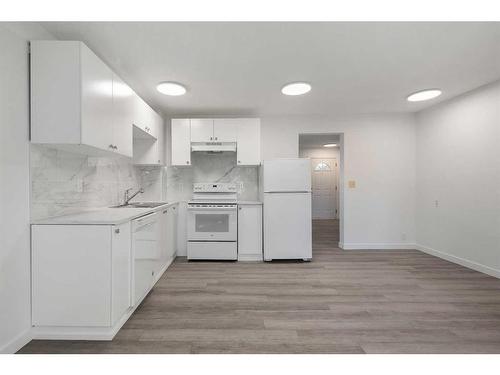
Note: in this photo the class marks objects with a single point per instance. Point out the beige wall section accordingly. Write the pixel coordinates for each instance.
(15, 313)
(458, 179)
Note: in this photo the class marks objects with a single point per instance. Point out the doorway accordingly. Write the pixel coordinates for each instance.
(324, 151)
(324, 187)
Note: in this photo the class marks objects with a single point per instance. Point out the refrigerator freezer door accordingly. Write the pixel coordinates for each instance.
(287, 226)
(293, 175)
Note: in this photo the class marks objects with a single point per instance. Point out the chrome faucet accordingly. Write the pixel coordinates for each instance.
(127, 198)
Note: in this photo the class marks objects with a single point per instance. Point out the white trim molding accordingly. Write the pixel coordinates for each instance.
(377, 246)
(17, 343)
(461, 261)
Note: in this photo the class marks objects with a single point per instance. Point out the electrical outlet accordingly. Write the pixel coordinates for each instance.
(351, 184)
(403, 236)
(436, 203)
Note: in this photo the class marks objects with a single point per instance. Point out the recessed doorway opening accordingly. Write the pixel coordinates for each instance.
(325, 153)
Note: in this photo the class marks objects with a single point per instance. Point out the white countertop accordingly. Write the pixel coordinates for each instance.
(248, 202)
(101, 216)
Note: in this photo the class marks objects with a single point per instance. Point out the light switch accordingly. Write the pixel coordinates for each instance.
(351, 184)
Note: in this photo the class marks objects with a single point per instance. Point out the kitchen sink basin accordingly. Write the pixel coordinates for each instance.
(140, 205)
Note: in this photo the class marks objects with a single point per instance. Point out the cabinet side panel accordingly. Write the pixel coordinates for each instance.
(71, 275)
(55, 92)
(121, 270)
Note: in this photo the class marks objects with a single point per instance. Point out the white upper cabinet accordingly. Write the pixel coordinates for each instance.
(225, 130)
(97, 101)
(143, 116)
(248, 148)
(202, 130)
(149, 150)
(123, 116)
(181, 142)
(80, 105)
(244, 131)
(213, 130)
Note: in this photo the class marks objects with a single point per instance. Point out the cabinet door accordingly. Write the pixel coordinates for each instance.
(225, 130)
(160, 135)
(71, 272)
(97, 101)
(248, 149)
(142, 114)
(171, 232)
(202, 130)
(164, 251)
(250, 232)
(123, 116)
(121, 270)
(181, 142)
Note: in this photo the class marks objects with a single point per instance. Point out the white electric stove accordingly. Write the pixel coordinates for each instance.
(212, 222)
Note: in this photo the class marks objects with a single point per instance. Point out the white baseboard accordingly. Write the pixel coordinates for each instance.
(461, 261)
(17, 343)
(377, 246)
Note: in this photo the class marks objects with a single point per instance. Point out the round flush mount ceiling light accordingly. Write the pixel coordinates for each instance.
(296, 88)
(330, 145)
(171, 88)
(420, 96)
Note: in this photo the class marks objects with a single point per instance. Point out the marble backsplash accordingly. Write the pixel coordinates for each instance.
(63, 182)
(210, 167)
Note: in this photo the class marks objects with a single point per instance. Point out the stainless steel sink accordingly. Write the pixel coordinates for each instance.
(140, 205)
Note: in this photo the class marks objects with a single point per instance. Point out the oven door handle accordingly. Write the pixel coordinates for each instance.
(215, 209)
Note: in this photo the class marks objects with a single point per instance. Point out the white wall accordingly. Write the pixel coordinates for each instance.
(379, 154)
(458, 165)
(15, 311)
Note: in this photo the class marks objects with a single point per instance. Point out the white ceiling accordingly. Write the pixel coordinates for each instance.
(239, 68)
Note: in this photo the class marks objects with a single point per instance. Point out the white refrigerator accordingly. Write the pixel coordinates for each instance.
(286, 187)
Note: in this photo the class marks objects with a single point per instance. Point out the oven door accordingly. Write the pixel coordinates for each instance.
(212, 223)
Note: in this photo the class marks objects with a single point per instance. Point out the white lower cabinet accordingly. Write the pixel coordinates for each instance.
(168, 234)
(250, 232)
(81, 275)
(88, 279)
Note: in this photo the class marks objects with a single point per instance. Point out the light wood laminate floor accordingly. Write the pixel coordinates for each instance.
(379, 301)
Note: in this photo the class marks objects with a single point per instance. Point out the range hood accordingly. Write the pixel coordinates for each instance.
(213, 146)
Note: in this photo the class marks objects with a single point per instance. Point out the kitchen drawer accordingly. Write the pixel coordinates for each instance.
(212, 250)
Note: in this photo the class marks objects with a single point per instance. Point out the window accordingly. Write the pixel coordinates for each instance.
(322, 166)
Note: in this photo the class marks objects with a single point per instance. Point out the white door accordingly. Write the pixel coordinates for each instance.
(202, 130)
(287, 226)
(324, 188)
(97, 101)
(123, 116)
(181, 142)
(225, 130)
(292, 175)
